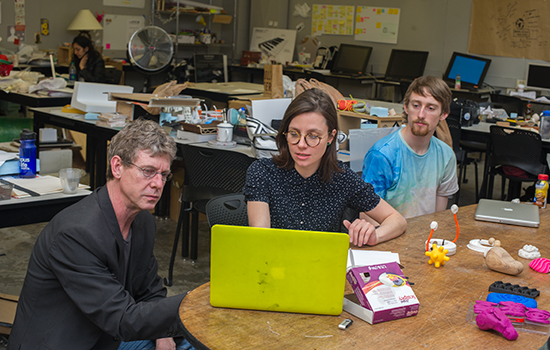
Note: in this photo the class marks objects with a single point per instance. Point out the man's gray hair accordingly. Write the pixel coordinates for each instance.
(140, 135)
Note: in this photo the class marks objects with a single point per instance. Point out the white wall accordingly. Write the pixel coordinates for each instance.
(60, 13)
(438, 26)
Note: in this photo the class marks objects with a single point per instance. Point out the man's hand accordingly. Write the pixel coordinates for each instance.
(361, 232)
(165, 344)
(83, 61)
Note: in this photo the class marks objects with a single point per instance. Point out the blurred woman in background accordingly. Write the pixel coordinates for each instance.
(90, 66)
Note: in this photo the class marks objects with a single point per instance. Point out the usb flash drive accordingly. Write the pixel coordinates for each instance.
(345, 323)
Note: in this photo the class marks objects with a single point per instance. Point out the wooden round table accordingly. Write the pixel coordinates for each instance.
(445, 295)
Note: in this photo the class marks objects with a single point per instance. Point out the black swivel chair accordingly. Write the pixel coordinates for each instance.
(461, 156)
(519, 150)
(229, 209)
(209, 173)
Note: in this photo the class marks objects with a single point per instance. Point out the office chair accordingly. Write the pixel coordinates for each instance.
(209, 173)
(516, 154)
(227, 209)
(231, 209)
(462, 158)
(113, 75)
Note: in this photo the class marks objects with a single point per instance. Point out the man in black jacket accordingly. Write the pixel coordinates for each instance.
(92, 277)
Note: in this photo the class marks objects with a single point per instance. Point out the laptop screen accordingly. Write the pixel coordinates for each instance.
(472, 69)
(406, 65)
(351, 59)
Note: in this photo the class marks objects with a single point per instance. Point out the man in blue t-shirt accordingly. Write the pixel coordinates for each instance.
(410, 169)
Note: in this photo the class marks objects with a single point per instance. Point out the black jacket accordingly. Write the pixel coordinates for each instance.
(74, 296)
(93, 72)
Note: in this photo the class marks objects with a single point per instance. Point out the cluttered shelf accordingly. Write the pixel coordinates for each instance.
(205, 26)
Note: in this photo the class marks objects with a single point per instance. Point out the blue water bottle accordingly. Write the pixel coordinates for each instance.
(27, 154)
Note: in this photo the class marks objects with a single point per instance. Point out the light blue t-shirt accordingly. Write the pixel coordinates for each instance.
(410, 182)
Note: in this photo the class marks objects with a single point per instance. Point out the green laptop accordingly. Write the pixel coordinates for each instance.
(278, 270)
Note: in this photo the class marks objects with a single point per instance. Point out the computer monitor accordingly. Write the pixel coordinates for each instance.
(472, 70)
(538, 77)
(406, 65)
(351, 60)
(210, 68)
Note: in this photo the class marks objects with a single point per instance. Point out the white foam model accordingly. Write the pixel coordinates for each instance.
(93, 97)
(529, 252)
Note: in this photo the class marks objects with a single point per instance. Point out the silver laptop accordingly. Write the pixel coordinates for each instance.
(507, 213)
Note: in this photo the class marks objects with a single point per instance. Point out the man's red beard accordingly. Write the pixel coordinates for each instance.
(420, 131)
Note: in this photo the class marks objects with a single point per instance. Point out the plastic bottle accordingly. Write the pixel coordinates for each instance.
(544, 125)
(457, 82)
(27, 154)
(541, 191)
(72, 73)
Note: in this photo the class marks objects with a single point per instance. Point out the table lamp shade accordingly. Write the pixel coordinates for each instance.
(83, 21)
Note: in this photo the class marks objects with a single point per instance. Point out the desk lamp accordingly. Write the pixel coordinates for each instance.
(85, 21)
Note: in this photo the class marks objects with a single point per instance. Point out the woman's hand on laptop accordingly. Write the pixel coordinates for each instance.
(361, 232)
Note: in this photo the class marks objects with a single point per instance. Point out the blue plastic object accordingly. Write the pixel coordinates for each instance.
(379, 111)
(498, 297)
(91, 116)
(11, 167)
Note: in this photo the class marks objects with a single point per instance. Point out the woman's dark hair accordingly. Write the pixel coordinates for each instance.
(310, 101)
(85, 42)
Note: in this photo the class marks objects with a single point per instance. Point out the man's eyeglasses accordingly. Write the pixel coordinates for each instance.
(312, 139)
(150, 173)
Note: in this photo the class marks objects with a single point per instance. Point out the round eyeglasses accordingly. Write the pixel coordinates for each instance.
(149, 173)
(312, 139)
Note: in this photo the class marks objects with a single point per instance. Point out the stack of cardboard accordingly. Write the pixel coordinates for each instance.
(112, 119)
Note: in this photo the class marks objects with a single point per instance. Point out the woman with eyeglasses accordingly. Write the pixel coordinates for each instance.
(305, 187)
